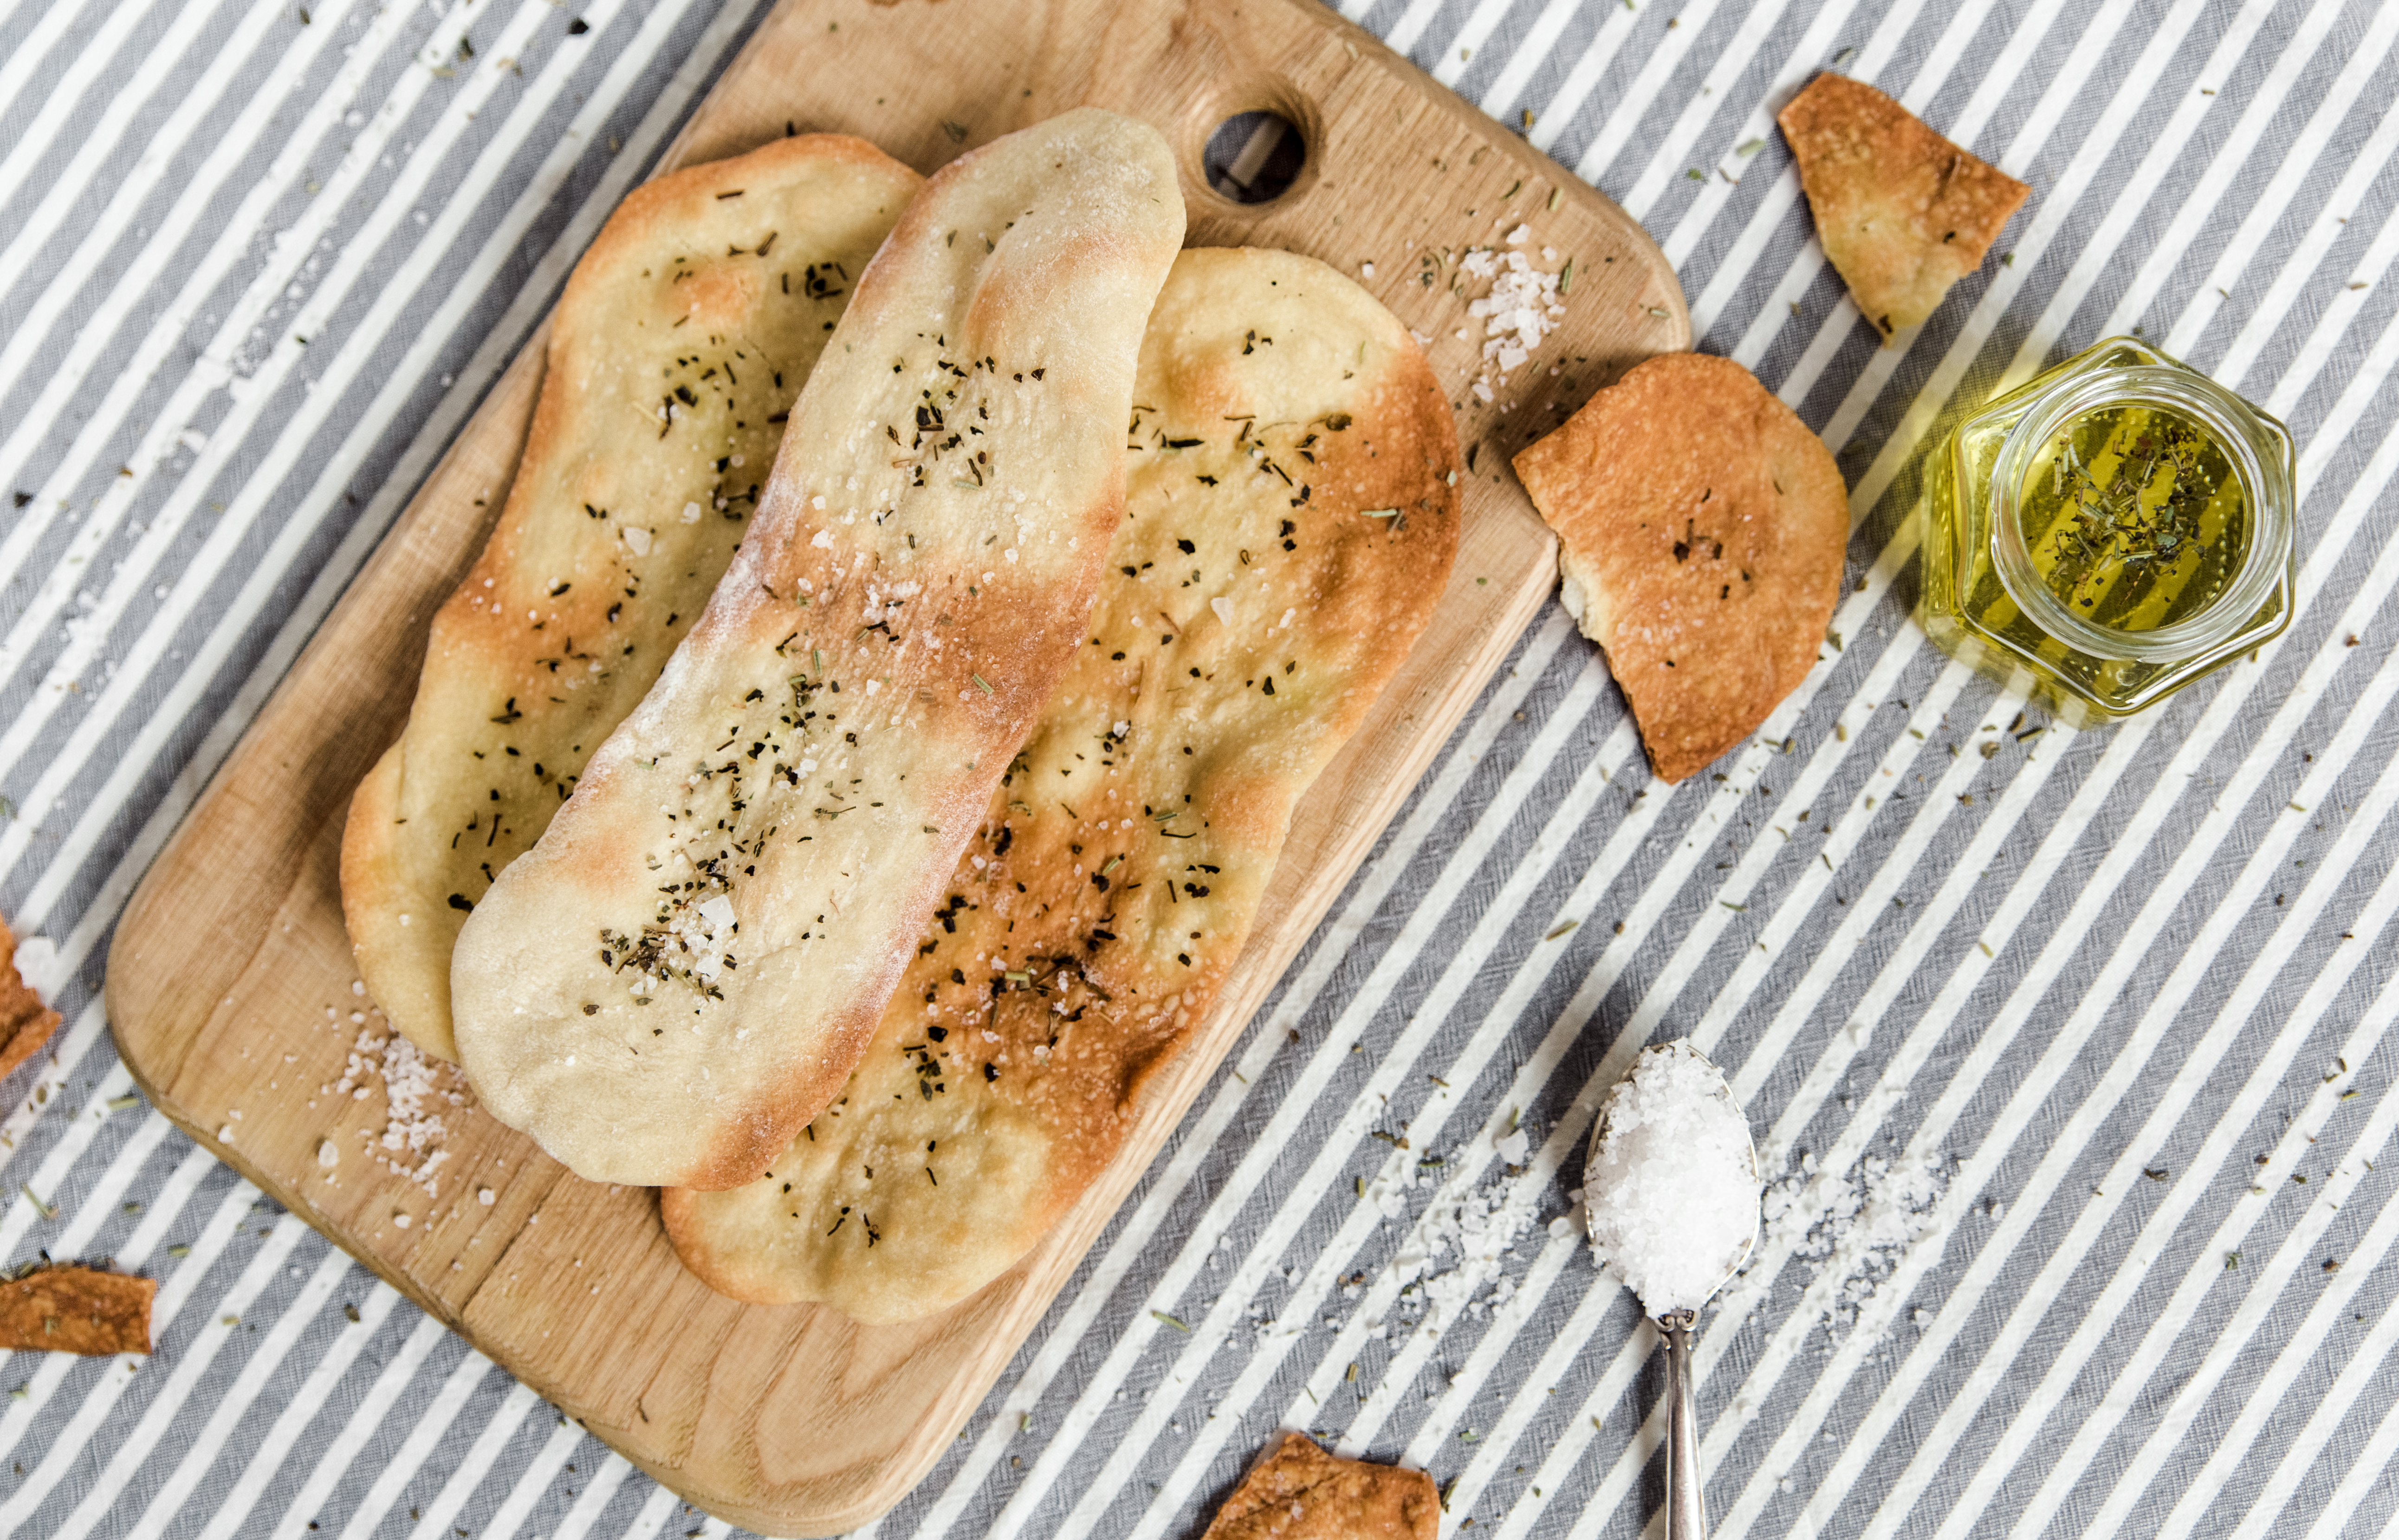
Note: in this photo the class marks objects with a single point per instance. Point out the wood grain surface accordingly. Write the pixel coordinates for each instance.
(230, 987)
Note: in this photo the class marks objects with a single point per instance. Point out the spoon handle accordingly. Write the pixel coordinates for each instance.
(1686, 1509)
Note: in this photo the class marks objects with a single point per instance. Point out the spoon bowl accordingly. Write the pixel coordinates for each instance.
(1685, 1507)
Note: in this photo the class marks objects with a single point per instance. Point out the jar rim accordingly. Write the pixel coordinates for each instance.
(2256, 445)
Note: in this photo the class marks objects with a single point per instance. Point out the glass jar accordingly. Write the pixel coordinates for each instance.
(2109, 532)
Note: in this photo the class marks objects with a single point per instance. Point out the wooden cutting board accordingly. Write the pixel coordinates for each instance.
(231, 988)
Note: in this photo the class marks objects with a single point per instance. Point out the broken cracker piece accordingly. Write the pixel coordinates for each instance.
(25, 1022)
(70, 1308)
(1903, 212)
(1700, 527)
(1298, 1492)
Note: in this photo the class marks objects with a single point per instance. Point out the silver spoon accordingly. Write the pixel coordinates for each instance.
(1686, 1506)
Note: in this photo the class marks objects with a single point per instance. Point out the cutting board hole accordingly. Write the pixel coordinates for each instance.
(1254, 156)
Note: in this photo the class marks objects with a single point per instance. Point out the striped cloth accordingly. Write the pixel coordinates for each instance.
(2089, 1030)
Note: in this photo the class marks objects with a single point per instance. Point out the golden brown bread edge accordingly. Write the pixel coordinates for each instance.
(1111, 885)
(707, 298)
(686, 967)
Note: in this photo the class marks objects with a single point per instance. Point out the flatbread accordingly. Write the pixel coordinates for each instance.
(685, 968)
(69, 1308)
(707, 297)
(1700, 526)
(1301, 1492)
(25, 1022)
(1903, 212)
(1290, 523)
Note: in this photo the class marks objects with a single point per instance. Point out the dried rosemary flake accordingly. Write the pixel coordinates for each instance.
(1165, 1320)
(1562, 929)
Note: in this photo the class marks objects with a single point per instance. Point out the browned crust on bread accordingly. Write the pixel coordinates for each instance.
(70, 1308)
(675, 979)
(1903, 212)
(25, 1022)
(1701, 526)
(563, 625)
(1299, 1491)
(1110, 887)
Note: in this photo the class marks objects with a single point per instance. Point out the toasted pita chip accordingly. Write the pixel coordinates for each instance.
(1289, 525)
(1300, 1492)
(25, 1022)
(1700, 527)
(1903, 212)
(75, 1309)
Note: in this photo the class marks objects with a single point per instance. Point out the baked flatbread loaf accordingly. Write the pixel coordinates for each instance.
(684, 969)
(679, 344)
(1289, 526)
(1903, 212)
(1301, 1492)
(1700, 526)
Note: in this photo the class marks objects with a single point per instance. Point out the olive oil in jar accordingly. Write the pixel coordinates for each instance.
(2135, 517)
(2109, 533)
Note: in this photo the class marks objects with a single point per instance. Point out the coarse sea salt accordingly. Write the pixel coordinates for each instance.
(1672, 1185)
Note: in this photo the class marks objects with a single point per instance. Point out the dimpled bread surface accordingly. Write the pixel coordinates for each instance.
(681, 341)
(1290, 522)
(684, 969)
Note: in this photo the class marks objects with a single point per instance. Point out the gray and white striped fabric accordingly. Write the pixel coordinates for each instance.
(2124, 997)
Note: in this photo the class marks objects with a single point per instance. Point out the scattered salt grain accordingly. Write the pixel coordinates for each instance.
(486, 1197)
(1852, 1229)
(1671, 1184)
(329, 1154)
(415, 1089)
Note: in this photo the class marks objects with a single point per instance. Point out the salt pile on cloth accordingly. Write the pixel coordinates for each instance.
(1452, 1263)
(1672, 1184)
(1853, 1228)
